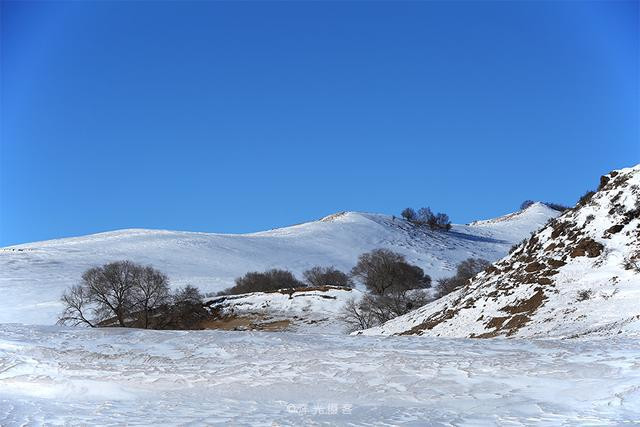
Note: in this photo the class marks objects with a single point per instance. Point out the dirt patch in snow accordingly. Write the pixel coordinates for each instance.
(246, 323)
(431, 323)
(529, 305)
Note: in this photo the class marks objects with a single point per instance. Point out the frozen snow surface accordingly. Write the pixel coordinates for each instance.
(64, 376)
(34, 275)
(578, 276)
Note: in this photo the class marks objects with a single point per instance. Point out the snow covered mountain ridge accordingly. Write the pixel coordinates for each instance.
(577, 276)
(34, 275)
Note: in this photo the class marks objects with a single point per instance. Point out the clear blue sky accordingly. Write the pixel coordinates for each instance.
(236, 117)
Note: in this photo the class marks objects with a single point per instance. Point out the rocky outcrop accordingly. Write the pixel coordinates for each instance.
(578, 275)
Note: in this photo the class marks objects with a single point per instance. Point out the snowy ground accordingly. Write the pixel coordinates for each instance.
(116, 376)
(33, 276)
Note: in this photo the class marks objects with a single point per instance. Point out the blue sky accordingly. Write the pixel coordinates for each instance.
(243, 116)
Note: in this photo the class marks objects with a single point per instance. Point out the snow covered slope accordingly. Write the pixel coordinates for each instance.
(119, 376)
(33, 276)
(580, 275)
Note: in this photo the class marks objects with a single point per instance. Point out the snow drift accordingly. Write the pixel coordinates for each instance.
(121, 376)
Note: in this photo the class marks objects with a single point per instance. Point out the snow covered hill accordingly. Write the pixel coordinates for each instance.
(33, 276)
(579, 275)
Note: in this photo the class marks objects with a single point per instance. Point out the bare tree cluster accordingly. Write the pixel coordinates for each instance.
(327, 276)
(394, 287)
(409, 214)
(425, 217)
(124, 294)
(267, 281)
(277, 279)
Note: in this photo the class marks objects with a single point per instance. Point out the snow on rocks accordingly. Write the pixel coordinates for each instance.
(577, 276)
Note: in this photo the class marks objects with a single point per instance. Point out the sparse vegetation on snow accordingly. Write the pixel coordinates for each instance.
(426, 218)
(127, 294)
(394, 287)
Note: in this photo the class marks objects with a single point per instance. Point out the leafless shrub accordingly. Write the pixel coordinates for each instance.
(425, 217)
(584, 295)
(357, 316)
(76, 307)
(270, 280)
(186, 311)
(586, 198)
(323, 276)
(517, 245)
(408, 214)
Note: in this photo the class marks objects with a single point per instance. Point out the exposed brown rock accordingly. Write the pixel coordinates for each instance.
(516, 323)
(556, 263)
(491, 334)
(529, 305)
(534, 266)
(431, 322)
(496, 322)
(588, 247)
(559, 228)
(615, 228)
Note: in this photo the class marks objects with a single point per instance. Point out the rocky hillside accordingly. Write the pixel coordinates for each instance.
(579, 275)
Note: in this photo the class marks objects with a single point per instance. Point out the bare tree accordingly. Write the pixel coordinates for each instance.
(323, 276)
(76, 307)
(117, 292)
(408, 214)
(187, 311)
(425, 216)
(150, 292)
(394, 286)
(110, 287)
(442, 222)
(382, 270)
(357, 316)
(187, 295)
